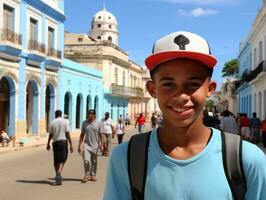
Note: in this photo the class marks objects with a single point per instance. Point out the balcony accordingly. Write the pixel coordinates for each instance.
(36, 53)
(53, 59)
(258, 73)
(127, 92)
(10, 45)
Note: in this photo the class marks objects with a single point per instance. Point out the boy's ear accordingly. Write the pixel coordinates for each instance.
(212, 88)
(151, 88)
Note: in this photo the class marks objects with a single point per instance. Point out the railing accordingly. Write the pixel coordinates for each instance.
(260, 68)
(36, 46)
(11, 36)
(54, 53)
(126, 91)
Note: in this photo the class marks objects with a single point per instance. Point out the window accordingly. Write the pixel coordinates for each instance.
(99, 25)
(124, 78)
(99, 37)
(50, 38)
(110, 26)
(260, 51)
(8, 18)
(116, 76)
(110, 39)
(33, 29)
(255, 58)
(80, 39)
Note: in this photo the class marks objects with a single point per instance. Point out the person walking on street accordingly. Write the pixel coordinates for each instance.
(59, 132)
(263, 132)
(228, 123)
(120, 131)
(141, 123)
(153, 121)
(254, 126)
(244, 123)
(91, 141)
(127, 120)
(107, 130)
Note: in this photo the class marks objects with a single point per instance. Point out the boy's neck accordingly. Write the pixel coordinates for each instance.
(183, 143)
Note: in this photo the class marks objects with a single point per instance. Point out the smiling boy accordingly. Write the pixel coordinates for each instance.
(184, 156)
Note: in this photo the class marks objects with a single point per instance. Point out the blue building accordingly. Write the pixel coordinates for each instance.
(244, 89)
(35, 80)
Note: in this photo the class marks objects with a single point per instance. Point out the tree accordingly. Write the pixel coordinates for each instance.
(209, 105)
(230, 69)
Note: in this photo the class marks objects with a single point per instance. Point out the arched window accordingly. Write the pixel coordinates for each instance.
(110, 39)
(99, 37)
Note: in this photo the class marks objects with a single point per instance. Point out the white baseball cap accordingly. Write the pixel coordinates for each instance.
(180, 44)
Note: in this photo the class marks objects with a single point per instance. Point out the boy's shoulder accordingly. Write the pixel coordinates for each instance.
(252, 155)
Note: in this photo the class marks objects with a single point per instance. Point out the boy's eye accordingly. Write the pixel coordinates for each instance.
(193, 85)
(168, 84)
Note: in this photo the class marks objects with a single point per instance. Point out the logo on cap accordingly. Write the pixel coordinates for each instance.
(181, 41)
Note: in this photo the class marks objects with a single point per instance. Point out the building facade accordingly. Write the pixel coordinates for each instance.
(256, 59)
(122, 78)
(35, 80)
(244, 88)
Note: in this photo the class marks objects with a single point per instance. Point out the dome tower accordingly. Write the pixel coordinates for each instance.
(104, 27)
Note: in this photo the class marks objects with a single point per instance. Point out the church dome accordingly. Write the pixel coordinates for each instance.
(104, 27)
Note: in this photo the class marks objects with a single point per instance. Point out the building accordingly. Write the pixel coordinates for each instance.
(244, 89)
(35, 80)
(122, 77)
(256, 62)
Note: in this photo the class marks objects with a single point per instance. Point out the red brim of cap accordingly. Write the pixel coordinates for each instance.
(158, 58)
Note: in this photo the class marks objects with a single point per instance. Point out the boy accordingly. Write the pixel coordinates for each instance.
(184, 156)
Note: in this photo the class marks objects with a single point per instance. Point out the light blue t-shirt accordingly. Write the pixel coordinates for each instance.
(201, 177)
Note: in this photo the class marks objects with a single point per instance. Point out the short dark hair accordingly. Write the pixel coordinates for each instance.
(91, 111)
(58, 113)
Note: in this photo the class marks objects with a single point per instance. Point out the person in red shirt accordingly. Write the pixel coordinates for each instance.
(263, 132)
(141, 123)
(244, 124)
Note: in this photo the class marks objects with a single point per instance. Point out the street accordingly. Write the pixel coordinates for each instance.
(28, 175)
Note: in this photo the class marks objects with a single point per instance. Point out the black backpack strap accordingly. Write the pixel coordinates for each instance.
(137, 159)
(233, 166)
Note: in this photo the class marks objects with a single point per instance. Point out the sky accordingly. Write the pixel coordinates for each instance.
(223, 23)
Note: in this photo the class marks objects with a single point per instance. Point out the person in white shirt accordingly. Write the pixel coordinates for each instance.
(228, 123)
(119, 131)
(107, 129)
(59, 131)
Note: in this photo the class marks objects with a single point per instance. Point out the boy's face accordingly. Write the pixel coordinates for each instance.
(181, 87)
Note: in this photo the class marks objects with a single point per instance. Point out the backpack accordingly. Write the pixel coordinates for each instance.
(137, 155)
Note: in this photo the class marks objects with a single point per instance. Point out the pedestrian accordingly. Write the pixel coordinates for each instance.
(244, 124)
(91, 141)
(228, 123)
(127, 120)
(263, 132)
(159, 121)
(208, 120)
(184, 157)
(120, 131)
(59, 132)
(153, 121)
(107, 130)
(141, 123)
(4, 138)
(254, 126)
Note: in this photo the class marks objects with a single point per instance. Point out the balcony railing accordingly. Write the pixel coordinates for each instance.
(36, 46)
(54, 53)
(127, 91)
(11, 36)
(260, 68)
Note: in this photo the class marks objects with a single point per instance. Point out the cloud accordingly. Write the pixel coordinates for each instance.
(203, 2)
(197, 12)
